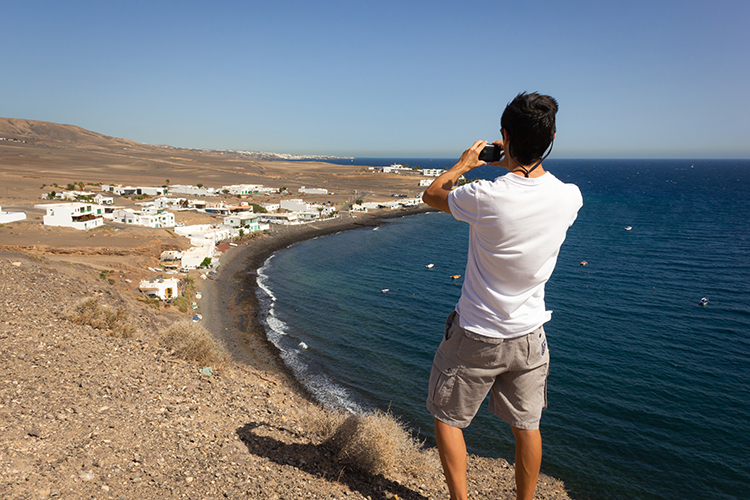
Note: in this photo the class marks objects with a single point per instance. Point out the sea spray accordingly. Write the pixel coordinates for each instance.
(292, 351)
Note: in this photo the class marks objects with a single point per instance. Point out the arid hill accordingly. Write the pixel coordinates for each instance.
(33, 153)
(39, 131)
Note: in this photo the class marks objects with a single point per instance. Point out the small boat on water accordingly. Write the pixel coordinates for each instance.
(628, 228)
(385, 290)
(430, 266)
(584, 263)
(703, 302)
(455, 276)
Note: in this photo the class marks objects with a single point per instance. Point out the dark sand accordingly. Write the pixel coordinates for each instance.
(230, 305)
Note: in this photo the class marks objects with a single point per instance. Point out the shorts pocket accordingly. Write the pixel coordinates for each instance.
(538, 353)
(442, 381)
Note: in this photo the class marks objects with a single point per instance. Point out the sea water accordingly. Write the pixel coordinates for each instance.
(649, 392)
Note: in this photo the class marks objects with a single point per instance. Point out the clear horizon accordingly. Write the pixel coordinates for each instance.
(402, 79)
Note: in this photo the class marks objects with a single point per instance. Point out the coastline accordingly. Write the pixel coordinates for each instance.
(230, 304)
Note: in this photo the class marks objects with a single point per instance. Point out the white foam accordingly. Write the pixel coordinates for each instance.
(320, 385)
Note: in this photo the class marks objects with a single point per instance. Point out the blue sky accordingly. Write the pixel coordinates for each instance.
(637, 79)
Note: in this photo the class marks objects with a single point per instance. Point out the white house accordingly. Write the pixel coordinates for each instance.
(194, 256)
(296, 205)
(271, 207)
(245, 220)
(103, 200)
(425, 182)
(6, 217)
(82, 216)
(432, 172)
(164, 289)
(134, 191)
(147, 217)
(197, 232)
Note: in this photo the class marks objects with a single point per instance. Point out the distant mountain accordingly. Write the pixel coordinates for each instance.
(38, 131)
(17, 129)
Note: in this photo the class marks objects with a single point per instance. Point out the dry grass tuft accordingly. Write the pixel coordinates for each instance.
(192, 342)
(377, 443)
(321, 423)
(114, 321)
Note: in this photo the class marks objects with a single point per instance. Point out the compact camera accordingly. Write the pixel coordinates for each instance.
(491, 153)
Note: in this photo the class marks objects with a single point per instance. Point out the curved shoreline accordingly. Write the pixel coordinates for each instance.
(230, 304)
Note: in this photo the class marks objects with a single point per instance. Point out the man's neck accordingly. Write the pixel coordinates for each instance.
(521, 171)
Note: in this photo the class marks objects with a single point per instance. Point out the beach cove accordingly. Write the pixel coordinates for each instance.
(87, 414)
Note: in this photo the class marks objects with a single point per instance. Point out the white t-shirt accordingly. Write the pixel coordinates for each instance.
(517, 227)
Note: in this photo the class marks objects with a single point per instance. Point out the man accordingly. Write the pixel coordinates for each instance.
(494, 341)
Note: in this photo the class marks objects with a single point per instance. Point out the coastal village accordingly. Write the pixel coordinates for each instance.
(136, 364)
(229, 213)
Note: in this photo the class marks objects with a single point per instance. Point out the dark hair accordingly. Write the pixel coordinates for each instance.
(529, 121)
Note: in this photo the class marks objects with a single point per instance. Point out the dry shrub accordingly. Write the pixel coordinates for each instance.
(112, 320)
(192, 342)
(322, 423)
(377, 443)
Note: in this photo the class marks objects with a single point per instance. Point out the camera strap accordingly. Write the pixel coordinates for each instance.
(527, 172)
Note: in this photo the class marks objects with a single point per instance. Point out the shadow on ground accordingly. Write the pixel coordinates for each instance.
(319, 461)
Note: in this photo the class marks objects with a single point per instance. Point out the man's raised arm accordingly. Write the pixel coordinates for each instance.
(436, 195)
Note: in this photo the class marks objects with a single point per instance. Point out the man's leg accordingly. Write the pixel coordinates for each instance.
(528, 461)
(452, 450)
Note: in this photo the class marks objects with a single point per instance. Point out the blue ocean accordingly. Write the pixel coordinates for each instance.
(649, 391)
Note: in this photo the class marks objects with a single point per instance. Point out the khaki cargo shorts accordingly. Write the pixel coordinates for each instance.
(467, 366)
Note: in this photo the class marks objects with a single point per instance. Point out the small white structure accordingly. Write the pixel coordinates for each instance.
(432, 172)
(296, 205)
(396, 168)
(271, 207)
(83, 216)
(425, 182)
(192, 190)
(6, 217)
(375, 205)
(70, 195)
(305, 190)
(290, 219)
(163, 202)
(163, 289)
(104, 200)
(170, 255)
(194, 256)
(246, 189)
(148, 217)
(134, 191)
(197, 232)
(411, 202)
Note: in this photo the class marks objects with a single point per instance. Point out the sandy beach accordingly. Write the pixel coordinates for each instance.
(233, 289)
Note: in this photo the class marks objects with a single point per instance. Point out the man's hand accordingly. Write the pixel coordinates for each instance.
(470, 158)
(436, 195)
(504, 160)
